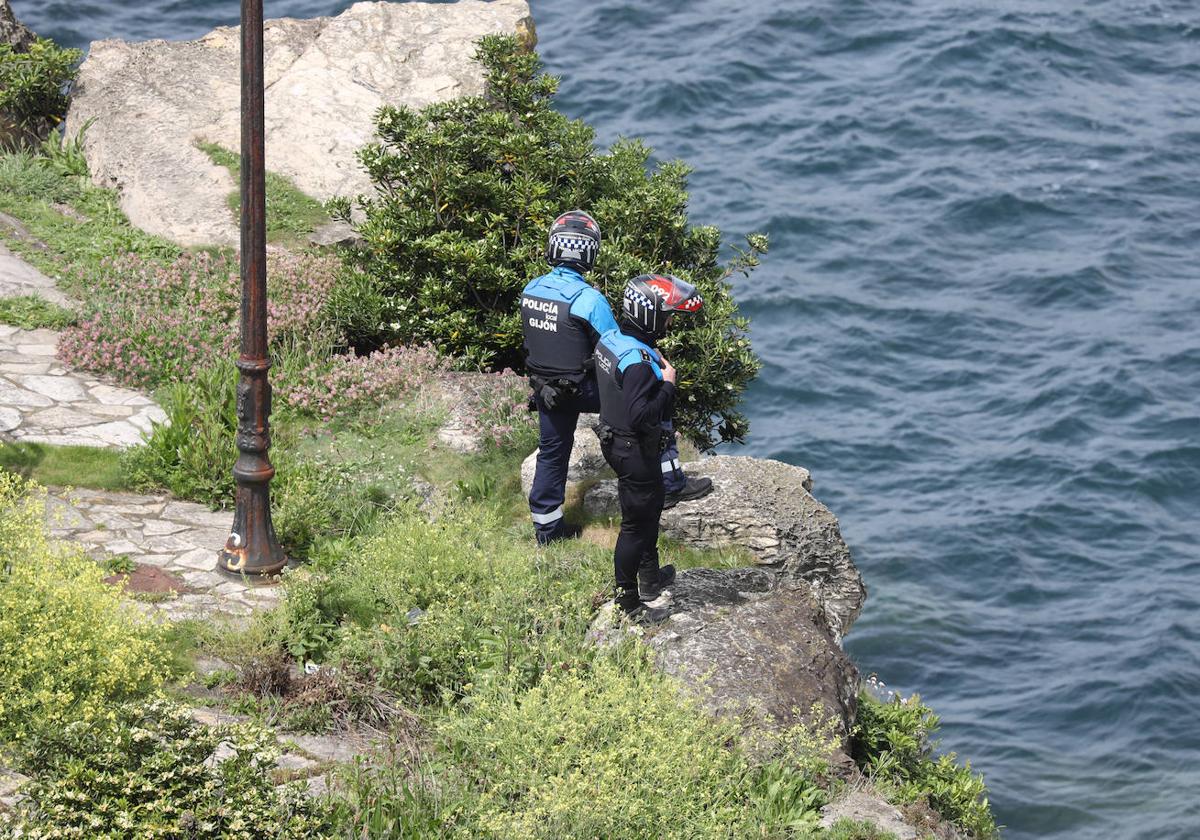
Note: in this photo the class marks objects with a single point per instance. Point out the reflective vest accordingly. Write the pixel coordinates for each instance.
(615, 352)
(556, 312)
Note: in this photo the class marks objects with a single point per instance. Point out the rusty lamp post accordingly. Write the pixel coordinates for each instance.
(252, 548)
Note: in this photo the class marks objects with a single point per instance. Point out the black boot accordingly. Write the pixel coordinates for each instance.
(631, 606)
(652, 580)
(693, 488)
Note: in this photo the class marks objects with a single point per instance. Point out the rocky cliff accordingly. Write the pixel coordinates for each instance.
(763, 642)
(151, 102)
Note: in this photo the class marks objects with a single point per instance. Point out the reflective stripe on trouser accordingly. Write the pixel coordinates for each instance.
(547, 518)
(672, 473)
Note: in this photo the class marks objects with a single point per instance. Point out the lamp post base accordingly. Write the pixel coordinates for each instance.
(252, 550)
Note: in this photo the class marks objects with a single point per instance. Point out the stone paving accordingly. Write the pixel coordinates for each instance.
(18, 278)
(42, 402)
(179, 538)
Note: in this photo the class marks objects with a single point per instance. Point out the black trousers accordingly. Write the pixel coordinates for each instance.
(640, 490)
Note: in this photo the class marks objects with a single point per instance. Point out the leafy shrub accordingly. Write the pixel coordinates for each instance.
(432, 606)
(69, 645)
(32, 85)
(467, 190)
(26, 174)
(610, 750)
(892, 744)
(603, 747)
(311, 502)
(193, 452)
(149, 773)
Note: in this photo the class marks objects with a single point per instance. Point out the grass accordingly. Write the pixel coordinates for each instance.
(30, 312)
(291, 215)
(69, 225)
(65, 466)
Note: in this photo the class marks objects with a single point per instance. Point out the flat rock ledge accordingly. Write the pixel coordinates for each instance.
(752, 650)
(151, 102)
(767, 508)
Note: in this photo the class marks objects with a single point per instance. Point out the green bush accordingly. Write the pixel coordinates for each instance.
(33, 83)
(193, 452)
(601, 747)
(431, 607)
(891, 742)
(69, 645)
(149, 773)
(609, 750)
(466, 191)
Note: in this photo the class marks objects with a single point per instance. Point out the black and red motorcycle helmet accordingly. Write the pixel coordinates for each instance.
(651, 299)
(574, 241)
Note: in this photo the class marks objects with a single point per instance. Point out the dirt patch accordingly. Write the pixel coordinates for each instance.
(149, 580)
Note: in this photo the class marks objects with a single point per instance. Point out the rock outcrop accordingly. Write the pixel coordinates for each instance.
(766, 507)
(12, 31)
(759, 643)
(587, 461)
(151, 102)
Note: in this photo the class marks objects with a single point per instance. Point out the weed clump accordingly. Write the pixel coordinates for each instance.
(70, 646)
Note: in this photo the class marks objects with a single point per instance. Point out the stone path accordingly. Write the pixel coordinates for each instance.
(42, 402)
(19, 278)
(181, 539)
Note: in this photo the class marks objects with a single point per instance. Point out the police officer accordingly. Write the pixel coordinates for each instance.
(637, 395)
(562, 317)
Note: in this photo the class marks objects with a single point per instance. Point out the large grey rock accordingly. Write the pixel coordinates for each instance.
(12, 31)
(864, 804)
(587, 461)
(152, 101)
(755, 649)
(767, 508)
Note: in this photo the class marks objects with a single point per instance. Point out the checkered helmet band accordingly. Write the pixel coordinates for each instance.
(650, 298)
(574, 240)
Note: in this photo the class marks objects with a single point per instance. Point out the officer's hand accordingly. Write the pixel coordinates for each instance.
(668, 370)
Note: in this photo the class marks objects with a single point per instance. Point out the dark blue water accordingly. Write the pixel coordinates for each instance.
(979, 320)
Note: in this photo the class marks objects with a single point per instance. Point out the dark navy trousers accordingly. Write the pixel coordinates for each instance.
(556, 437)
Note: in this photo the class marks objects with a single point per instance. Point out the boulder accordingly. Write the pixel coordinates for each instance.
(12, 31)
(151, 102)
(756, 650)
(586, 464)
(766, 507)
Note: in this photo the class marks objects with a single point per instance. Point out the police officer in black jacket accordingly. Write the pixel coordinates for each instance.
(637, 395)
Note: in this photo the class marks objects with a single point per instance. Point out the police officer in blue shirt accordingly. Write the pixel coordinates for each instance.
(562, 317)
(637, 396)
